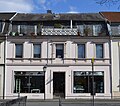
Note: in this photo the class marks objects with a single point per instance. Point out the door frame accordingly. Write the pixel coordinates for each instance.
(64, 81)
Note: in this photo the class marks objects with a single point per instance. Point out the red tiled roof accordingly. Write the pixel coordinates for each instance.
(112, 16)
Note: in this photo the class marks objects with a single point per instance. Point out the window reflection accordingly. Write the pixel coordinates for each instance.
(59, 50)
(83, 82)
(19, 50)
(29, 82)
(81, 50)
(99, 50)
(37, 50)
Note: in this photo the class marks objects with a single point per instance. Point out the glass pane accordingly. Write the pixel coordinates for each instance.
(37, 50)
(19, 50)
(81, 50)
(83, 82)
(30, 29)
(59, 50)
(27, 29)
(29, 82)
(81, 29)
(99, 50)
(99, 84)
(80, 84)
(88, 30)
(96, 30)
(114, 30)
(14, 28)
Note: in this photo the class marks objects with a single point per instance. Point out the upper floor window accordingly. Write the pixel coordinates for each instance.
(59, 51)
(97, 30)
(27, 29)
(37, 50)
(24, 29)
(90, 30)
(99, 50)
(81, 50)
(19, 50)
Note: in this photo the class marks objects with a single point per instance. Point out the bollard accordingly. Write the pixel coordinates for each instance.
(60, 104)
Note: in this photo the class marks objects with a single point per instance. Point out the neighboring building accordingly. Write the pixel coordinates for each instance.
(64, 44)
(114, 21)
(4, 25)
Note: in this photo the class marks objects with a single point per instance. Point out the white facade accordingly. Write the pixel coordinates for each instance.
(116, 66)
(1, 67)
(68, 65)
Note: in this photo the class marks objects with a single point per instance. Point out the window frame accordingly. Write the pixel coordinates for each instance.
(21, 50)
(31, 76)
(40, 50)
(88, 81)
(84, 50)
(56, 50)
(102, 50)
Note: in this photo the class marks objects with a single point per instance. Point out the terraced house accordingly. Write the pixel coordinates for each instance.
(51, 55)
(4, 23)
(114, 23)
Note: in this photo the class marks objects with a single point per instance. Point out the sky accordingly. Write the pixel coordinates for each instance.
(57, 6)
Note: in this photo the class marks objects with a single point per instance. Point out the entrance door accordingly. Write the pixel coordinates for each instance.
(59, 84)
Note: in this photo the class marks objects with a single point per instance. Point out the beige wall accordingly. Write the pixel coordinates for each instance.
(69, 65)
(1, 66)
(115, 66)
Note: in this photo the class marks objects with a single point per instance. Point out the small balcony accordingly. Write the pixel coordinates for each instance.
(59, 31)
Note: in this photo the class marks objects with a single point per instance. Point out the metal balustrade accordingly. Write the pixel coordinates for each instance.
(59, 31)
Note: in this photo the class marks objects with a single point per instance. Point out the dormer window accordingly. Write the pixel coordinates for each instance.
(25, 29)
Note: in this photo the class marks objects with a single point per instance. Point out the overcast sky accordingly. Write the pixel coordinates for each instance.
(57, 6)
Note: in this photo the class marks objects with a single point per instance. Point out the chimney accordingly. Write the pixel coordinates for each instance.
(49, 11)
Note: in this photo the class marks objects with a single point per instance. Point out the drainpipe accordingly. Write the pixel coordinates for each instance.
(110, 51)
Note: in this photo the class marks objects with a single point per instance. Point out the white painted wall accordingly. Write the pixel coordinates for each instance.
(49, 86)
(56, 65)
(115, 65)
(1, 66)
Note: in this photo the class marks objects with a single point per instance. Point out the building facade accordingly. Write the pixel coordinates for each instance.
(49, 55)
(114, 23)
(4, 23)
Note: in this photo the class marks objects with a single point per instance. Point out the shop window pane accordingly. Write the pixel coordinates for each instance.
(29, 82)
(83, 82)
(19, 50)
(99, 84)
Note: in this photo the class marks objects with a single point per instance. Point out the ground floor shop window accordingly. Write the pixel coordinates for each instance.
(83, 82)
(29, 82)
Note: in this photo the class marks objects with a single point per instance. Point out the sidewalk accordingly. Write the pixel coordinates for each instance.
(76, 100)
